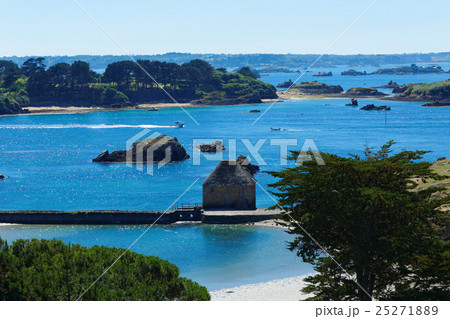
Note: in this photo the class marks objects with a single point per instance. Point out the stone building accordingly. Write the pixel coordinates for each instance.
(229, 186)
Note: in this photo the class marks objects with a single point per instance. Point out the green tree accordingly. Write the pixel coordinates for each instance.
(367, 215)
(51, 270)
(246, 71)
(80, 73)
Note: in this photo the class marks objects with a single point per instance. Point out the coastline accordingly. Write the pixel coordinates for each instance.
(287, 289)
(45, 110)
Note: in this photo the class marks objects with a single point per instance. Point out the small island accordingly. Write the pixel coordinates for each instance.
(324, 74)
(317, 88)
(363, 92)
(353, 72)
(412, 69)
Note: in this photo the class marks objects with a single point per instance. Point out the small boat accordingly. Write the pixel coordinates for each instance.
(153, 109)
(275, 129)
(178, 124)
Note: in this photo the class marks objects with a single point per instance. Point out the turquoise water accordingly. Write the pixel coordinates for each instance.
(215, 256)
(48, 159)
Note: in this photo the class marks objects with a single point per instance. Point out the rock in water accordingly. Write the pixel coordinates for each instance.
(354, 103)
(214, 147)
(372, 107)
(161, 148)
(245, 163)
(2, 177)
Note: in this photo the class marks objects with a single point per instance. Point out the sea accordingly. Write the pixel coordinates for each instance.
(47, 160)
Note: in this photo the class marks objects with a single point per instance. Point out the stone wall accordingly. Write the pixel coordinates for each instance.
(215, 197)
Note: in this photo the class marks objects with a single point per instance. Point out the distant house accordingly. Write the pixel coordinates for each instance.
(229, 186)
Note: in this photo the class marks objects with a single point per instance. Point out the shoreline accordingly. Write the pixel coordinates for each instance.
(45, 110)
(286, 289)
(61, 110)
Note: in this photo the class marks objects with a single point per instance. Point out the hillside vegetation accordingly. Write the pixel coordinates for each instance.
(51, 270)
(124, 83)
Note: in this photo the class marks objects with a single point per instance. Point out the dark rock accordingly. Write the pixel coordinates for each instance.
(246, 99)
(245, 163)
(214, 147)
(441, 158)
(437, 103)
(354, 103)
(390, 85)
(149, 150)
(353, 72)
(285, 84)
(2, 176)
(372, 107)
(323, 74)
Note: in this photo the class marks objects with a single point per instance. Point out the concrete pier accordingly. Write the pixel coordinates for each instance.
(98, 217)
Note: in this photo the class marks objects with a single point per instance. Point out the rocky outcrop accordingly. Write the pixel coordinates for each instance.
(401, 88)
(214, 147)
(353, 72)
(245, 163)
(369, 91)
(372, 107)
(390, 85)
(285, 84)
(323, 74)
(2, 176)
(154, 150)
(354, 103)
(437, 103)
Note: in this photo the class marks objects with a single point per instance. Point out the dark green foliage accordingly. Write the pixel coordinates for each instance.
(126, 81)
(246, 71)
(51, 270)
(367, 214)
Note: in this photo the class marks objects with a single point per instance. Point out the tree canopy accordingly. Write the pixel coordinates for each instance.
(124, 82)
(51, 270)
(365, 214)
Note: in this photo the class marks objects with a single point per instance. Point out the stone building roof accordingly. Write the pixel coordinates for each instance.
(228, 173)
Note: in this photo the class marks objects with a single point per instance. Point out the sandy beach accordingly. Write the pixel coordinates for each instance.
(33, 110)
(287, 289)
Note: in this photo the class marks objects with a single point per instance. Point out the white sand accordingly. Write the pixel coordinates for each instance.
(287, 289)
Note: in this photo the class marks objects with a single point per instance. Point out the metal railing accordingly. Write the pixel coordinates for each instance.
(186, 206)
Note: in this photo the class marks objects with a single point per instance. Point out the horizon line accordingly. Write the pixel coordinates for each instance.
(191, 53)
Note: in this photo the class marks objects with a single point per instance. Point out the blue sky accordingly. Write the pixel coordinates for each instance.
(59, 27)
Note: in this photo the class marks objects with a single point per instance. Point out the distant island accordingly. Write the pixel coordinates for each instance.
(323, 74)
(277, 70)
(124, 84)
(257, 60)
(412, 69)
(353, 72)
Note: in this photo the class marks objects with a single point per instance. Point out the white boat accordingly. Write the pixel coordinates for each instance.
(153, 109)
(179, 124)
